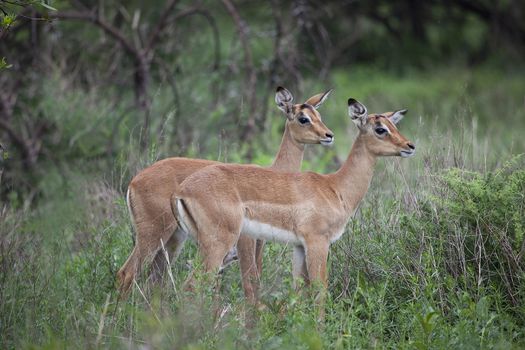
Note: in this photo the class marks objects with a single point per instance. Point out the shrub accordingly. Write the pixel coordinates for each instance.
(489, 210)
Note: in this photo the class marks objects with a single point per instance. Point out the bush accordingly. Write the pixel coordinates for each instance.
(489, 211)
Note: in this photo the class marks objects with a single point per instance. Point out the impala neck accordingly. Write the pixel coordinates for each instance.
(290, 155)
(354, 177)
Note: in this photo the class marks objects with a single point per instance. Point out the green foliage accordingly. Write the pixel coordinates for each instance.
(7, 20)
(493, 203)
(4, 64)
(490, 209)
(432, 259)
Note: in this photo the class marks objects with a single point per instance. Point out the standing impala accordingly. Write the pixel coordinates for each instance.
(221, 203)
(149, 192)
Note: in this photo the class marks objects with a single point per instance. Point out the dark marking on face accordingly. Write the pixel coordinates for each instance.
(307, 106)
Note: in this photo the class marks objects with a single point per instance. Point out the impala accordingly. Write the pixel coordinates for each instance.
(148, 195)
(221, 203)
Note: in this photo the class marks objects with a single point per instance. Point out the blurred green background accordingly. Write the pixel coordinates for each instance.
(93, 91)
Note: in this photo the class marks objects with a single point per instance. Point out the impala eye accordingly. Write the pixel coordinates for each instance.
(381, 131)
(303, 120)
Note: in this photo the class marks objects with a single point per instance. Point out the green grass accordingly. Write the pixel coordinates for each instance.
(433, 259)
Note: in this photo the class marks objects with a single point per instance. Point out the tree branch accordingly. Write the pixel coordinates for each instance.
(211, 21)
(106, 27)
(251, 77)
(155, 33)
(142, 73)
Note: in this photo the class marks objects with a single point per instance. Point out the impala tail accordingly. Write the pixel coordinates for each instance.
(183, 216)
(131, 213)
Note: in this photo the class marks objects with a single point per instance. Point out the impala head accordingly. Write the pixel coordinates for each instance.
(304, 121)
(380, 131)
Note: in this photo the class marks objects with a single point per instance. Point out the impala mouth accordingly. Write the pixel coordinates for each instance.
(407, 153)
(327, 142)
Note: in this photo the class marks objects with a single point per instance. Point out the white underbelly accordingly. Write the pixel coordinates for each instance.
(261, 230)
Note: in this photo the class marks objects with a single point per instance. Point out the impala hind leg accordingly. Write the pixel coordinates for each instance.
(214, 246)
(212, 258)
(216, 227)
(148, 236)
(229, 259)
(165, 257)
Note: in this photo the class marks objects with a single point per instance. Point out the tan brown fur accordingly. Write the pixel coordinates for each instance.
(150, 191)
(309, 210)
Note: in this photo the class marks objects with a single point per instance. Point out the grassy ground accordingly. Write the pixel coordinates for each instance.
(434, 257)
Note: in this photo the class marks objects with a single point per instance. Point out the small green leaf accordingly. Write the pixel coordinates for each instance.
(8, 20)
(4, 64)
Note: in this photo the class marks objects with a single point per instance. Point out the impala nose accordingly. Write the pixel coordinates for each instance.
(411, 145)
(329, 135)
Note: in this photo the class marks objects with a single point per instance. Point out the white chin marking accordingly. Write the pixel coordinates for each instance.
(327, 143)
(260, 230)
(406, 154)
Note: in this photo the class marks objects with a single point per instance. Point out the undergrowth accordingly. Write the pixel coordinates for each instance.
(433, 259)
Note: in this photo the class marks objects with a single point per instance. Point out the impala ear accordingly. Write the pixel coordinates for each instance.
(397, 116)
(357, 112)
(317, 100)
(284, 100)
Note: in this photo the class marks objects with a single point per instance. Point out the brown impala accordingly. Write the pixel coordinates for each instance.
(149, 192)
(222, 203)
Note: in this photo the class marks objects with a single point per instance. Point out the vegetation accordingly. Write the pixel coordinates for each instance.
(435, 256)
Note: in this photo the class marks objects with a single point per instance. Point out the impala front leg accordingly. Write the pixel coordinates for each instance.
(316, 259)
(259, 246)
(299, 270)
(250, 274)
